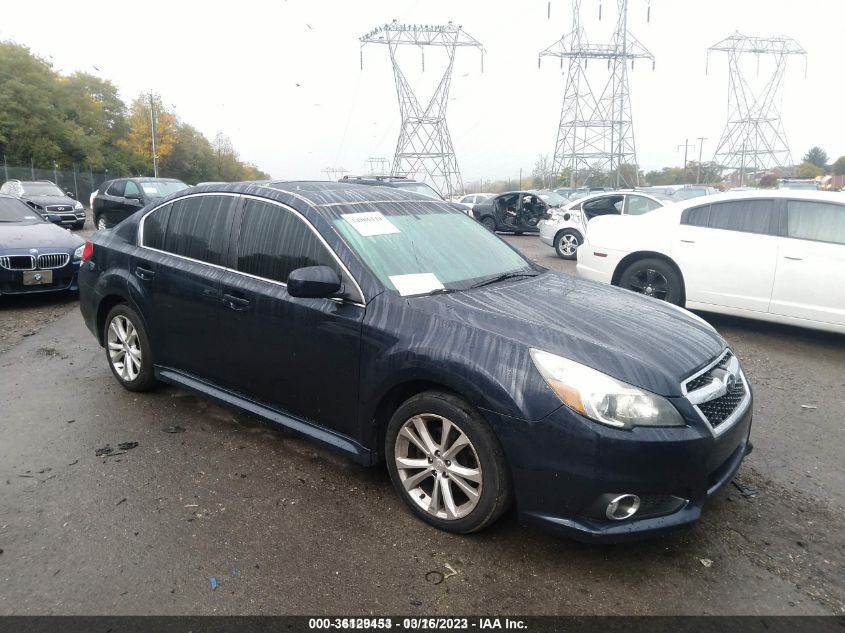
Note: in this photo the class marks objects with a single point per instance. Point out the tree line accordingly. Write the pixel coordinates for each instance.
(48, 119)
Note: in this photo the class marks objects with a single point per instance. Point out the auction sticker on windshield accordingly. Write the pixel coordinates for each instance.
(370, 223)
(415, 284)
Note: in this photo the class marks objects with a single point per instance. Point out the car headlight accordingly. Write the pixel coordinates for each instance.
(77, 254)
(78, 207)
(601, 398)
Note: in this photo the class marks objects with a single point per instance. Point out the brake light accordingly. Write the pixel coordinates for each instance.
(87, 251)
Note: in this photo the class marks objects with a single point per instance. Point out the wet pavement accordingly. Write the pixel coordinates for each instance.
(283, 526)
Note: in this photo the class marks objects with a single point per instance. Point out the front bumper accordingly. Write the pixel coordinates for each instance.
(64, 279)
(548, 229)
(66, 219)
(564, 466)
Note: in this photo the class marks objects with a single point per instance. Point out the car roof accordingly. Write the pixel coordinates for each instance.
(145, 179)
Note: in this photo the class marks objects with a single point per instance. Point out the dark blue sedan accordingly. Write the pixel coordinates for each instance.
(35, 255)
(393, 328)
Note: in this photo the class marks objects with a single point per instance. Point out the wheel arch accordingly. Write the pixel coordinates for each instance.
(637, 256)
(568, 229)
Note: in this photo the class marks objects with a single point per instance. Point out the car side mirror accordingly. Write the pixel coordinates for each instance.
(314, 282)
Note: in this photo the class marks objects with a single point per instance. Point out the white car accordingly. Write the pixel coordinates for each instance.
(565, 228)
(776, 255)
(469, 200)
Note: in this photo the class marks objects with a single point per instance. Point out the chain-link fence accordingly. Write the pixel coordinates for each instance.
(77, 181)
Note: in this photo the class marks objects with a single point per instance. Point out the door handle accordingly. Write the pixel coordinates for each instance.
(688, 241)
(144, 273)
(793, 258)
(235, 302)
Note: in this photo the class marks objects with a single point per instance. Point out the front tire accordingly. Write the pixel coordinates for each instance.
(567, 243)
(446, 463)
(654, 278)
(128, 349)
(489, 223)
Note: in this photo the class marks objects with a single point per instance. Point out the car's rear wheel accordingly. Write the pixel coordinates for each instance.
(128, 349)
(100, 223)
(654, 278)
(446, 463)
(567, 243)
(489, 223)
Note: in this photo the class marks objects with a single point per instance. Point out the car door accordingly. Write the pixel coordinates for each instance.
(810, 275)
(727, 252)
(113, 200)
(176, 277)
(295, 355)
(132, 201)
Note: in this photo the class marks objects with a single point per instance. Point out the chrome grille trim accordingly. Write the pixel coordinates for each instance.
(53, 260)
(706, 391)
(6, 262)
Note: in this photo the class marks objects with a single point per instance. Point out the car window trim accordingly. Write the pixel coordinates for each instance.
(140, 242)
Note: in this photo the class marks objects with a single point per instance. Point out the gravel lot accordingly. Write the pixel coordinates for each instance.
(284, 526)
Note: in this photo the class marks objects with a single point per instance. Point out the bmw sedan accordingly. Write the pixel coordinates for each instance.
(393, 328)
(35, 255)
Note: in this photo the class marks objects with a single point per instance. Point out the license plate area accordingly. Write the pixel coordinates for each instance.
(37, 277)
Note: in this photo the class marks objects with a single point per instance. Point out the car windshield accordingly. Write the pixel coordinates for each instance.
(42, 189)
(420, 253)
(421, 188)
(13, 210)
(161, 188)
(689, 192)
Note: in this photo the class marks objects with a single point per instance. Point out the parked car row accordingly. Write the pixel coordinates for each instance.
(48, 201)
(393, 328)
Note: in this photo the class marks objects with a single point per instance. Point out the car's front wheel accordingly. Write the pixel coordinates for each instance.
(446, 463)
(489, 223)
(567, 243)
(128, 349)
(654, 278)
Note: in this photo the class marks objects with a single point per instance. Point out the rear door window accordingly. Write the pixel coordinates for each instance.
(131, 190)
(746, 216)
(117, 188)
(198, 227)
(637, 205)
(155, 225)
(818, 221)
(274, 242)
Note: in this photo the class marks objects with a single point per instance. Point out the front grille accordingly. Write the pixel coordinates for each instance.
(17, 262)
(59, 208)
(720, 409)
(706, 377)
(53, 260)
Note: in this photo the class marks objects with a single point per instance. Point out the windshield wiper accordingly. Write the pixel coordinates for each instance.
(498, 278)
(440, 291)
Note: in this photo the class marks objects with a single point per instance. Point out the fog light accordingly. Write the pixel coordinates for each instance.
(623, 507)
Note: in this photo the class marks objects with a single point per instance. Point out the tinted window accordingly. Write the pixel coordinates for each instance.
(748, 216)
(819, 221)
(273, 242)
(154, 226)
(697, 216)
(637, 205)
(131, 189)
(198, 227)
(117, 188)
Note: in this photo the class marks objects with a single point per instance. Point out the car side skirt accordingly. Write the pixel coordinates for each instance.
(765, 316)
(334, 441)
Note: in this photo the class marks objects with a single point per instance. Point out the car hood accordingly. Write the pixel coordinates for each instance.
(636, 339)
(51, 200)
(39, 235)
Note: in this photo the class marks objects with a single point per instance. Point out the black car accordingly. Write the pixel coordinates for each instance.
(404, 183)
(391, 327)
(35, 255)
(515, 211)
(48, 200)
(117, 199)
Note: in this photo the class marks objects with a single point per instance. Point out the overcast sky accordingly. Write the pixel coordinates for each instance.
(282, 78)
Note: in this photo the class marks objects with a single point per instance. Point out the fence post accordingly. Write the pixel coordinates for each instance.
(75, 187)
(32, 167)
(5, 168)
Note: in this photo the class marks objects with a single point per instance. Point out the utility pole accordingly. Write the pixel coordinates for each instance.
(686, 147)
(153, 134)
(520, 178)
(701, 140)
(5, 168)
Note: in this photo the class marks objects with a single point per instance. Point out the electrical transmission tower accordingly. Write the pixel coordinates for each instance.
(383, 165)
(332, 173)
(596, 131)
(424, 145)
(754, 139)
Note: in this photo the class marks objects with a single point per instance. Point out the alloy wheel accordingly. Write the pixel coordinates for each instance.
(438, 466)
(124, 348)
(568, 244)
(101, 224)
(650, 282)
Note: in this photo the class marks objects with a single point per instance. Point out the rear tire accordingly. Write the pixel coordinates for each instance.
(128, 349)
(567, 243)
(489, 223)
(100, 223)
(458, 482)
(654, 278)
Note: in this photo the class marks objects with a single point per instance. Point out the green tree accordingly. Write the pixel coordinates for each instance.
(809, 170)
(839, 166)
(816, 156)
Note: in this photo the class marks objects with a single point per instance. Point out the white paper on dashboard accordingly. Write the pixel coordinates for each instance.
(370, 223)
(415, 284)
(150, 190)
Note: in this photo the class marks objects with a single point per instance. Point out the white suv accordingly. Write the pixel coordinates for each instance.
(565, 228)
